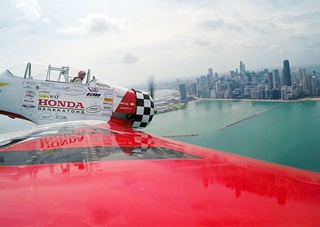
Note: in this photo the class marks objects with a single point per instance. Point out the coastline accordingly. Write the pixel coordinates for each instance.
(197, 99)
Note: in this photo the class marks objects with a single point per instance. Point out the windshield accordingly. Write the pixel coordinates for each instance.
(40, 71)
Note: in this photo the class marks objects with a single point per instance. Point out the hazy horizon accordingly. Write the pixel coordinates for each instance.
(125, 43)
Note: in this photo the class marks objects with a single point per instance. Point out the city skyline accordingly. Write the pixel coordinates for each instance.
(265, 84)
(125, 43)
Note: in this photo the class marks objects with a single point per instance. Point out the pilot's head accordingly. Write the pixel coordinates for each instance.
(81, 74)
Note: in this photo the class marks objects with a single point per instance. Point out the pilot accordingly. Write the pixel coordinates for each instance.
(79, 78)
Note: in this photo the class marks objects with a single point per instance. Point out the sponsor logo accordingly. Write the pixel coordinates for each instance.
(43, 96)
(107, 103)
(108, 100)
(46, 116)
(127, 104)
(61, 117)
(74, 90)
(93, 109)
(56, 96)
(107, 108)
(47, 84)
(93, 89)
(58, 103)
(25, 100)
(95, 95)
(44, 92)
(108, 93)
(57, 88)
(61, 110)
(30, 94)
(103, 86)
(29, 106)
(125, 108)
(3, 84)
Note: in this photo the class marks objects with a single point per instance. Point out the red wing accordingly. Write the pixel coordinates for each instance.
(88, 173)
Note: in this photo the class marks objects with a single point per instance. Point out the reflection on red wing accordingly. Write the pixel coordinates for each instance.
(104, 174)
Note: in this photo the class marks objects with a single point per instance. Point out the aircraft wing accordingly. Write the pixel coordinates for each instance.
(95, 173)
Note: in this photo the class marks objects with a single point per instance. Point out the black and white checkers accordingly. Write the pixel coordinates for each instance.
(145, 110)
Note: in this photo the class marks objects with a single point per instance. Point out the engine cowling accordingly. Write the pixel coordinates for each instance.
(136, 110)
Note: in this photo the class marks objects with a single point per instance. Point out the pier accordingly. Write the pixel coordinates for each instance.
(256, 114)
(186, 135)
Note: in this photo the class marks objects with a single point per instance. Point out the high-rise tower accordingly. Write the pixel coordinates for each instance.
(276, 79)
(242, 68)
(286, 73)
(183, 92)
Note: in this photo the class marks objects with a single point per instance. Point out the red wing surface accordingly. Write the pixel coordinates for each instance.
(103, 174)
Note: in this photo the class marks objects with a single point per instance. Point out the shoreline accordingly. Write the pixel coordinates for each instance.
(255, 100)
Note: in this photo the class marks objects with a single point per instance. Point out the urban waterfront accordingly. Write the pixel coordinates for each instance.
(281, 132)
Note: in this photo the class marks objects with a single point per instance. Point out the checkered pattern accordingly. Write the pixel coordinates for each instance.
(145, 110)
(144, 140)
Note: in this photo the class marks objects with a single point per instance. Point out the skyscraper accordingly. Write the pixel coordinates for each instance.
(286, 73)
(183, 93)
(210, 72)
(270, 80)
(276, 79)
(242, 67)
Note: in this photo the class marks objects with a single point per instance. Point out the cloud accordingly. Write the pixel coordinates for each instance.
(220, 24)
(201, 41)
(98, 23)
(29, 9)
(130, 58)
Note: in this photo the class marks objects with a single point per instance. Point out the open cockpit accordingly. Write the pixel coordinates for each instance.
(62, 74)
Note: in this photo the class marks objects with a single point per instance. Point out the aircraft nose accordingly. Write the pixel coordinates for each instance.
(145, 110)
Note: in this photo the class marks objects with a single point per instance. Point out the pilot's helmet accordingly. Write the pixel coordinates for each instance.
(82, 74)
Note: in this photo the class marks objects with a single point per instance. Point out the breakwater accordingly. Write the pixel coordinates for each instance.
(254, 115)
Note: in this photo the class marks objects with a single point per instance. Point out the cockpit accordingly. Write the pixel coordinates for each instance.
(62, 74)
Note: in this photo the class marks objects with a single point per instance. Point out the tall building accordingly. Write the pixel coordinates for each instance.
(210, 72)
(286, 74)
(304, 80)
(276, 79)
(183, 92)
(242, 68)
(218, 86)
(270, 80)
(314, 85)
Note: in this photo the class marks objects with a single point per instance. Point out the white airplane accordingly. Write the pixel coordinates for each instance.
(54, 96)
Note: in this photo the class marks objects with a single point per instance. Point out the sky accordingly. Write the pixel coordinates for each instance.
(124, 42)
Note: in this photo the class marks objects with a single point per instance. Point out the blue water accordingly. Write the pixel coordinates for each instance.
(288, 133)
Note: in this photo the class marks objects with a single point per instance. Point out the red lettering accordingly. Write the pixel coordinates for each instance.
(43, 102)
(47, 143)
(52, 102)
(64, 142)
(55, 103)
(61, 103)
(79, 105)
(71, 104)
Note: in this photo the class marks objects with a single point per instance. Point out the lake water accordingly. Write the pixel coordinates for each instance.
(286, 133)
